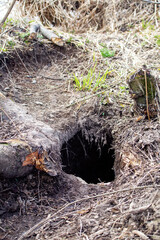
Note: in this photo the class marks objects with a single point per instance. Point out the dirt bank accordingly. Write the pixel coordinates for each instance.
(97, 138)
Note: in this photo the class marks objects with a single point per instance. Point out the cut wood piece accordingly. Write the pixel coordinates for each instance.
(34, 28)
(35, 136)
(51, 36)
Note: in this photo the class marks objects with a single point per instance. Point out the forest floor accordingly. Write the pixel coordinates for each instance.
(41, 78)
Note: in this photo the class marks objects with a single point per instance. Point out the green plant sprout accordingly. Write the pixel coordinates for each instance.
(24, 35)
(69, 40)
(105, 52)
(87, 40)
(157, 37)
(3, 50)
(146, 25)
(10, 21)
(11, 43)
(91, 82)
(124, 89)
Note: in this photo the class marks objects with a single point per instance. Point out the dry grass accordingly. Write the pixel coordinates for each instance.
(91, 15)
(129, 28)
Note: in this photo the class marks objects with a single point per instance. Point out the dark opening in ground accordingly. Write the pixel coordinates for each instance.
(91, 161)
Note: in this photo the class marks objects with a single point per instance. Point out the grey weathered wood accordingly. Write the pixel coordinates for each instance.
(34, 135)
(12, 155)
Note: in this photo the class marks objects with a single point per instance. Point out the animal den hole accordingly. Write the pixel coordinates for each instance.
(91, 161)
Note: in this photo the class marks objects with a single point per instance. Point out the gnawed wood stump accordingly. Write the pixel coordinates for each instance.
(143, 90)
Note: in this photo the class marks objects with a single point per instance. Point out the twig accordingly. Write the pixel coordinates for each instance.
(50, 217)
(5, 190)
(22, 62)
(58, 79)
(145, 76)
(7, 31)
(84, 98)
(137, 210)
(7, 13)
(140, 234)
(151, 2)
(144, 208)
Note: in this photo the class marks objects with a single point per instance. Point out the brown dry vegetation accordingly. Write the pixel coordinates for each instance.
(65, 207)
(82, 15)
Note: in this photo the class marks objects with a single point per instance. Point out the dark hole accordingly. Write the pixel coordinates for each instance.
(77, 4)
(91, 161)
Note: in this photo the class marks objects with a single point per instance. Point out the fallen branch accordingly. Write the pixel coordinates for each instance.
(34, 28)
(85, 98)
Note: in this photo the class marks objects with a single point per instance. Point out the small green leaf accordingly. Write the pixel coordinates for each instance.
(24, 35)
(106, 52)
(158, 42)
(122, 105)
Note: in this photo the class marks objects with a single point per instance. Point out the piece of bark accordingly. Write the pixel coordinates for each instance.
(35, 136)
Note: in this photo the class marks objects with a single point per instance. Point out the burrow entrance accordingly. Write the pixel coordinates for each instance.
(89, 159)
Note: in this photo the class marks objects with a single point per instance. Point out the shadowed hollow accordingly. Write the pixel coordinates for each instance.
(91, 161)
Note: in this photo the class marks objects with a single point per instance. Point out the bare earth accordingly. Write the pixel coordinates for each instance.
(70, 209)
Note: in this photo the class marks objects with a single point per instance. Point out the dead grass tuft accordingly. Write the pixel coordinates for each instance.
(85, 15)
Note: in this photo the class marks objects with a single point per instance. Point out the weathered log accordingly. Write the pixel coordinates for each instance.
(34, 137)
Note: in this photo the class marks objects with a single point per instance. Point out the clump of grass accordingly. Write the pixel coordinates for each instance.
(105, 52)
(4, 50)
(10, 22)
(11, 43)
(157, 37)
(66, 13)
(24, 35)
(92, 81)
(146, 24)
